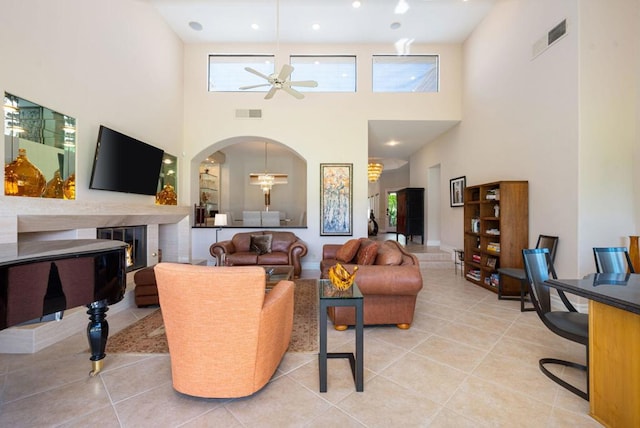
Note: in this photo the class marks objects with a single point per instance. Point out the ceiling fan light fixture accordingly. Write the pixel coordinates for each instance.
(374, 170)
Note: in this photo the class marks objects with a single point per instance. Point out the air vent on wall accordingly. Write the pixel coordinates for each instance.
(552, 36)
(248, 114)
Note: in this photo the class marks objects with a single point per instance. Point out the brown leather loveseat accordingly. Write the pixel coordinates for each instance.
(251, 248)
(388, 277)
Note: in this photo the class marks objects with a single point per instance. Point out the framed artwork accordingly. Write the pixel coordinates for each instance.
(456, 191)
(336, 199)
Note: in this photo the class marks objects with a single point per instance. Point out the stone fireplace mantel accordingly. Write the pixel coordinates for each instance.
(32, 219)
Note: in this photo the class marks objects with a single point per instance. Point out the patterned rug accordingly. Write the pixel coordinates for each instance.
(147, 336)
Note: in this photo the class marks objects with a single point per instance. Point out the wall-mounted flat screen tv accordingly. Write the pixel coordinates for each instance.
(124, 164)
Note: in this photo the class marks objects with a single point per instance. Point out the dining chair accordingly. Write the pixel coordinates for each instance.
(544, 241)
(612, 260)
(569, 323)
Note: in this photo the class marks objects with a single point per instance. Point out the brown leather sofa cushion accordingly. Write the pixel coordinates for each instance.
(367, 252)
(348, 250)
(388, 255)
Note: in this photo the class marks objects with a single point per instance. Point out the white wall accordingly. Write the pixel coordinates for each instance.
(114, 63)
(609, 77)
(322, 128)
(543, 120)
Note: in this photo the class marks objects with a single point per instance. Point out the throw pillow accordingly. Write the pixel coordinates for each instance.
(261, 244)
(388, 255)
(367, 253)
(348, 251)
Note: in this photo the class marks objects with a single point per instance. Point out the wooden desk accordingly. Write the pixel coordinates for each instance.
(614, 345)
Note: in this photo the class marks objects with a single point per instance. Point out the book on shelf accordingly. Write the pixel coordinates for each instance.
(475, 258)
(493, 246)
(474, 274)
(494, 279)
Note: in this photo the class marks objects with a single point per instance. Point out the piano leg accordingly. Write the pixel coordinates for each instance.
(97, 333)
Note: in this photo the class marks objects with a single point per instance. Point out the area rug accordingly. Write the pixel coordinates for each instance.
(147, 335)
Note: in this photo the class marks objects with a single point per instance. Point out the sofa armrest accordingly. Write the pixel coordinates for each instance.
(220, 248)
(329, 251)
(388, 280)
(297, 250)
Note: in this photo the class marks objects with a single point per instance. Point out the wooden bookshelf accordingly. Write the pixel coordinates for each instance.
(496, 229)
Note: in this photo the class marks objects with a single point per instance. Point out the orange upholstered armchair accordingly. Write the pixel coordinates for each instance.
(226, 336)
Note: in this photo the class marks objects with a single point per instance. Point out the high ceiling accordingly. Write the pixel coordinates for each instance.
(291, 21)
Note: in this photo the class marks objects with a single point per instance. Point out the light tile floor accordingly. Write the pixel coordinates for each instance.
(469, 360)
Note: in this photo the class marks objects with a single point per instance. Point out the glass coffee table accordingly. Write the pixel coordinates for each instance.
(277, 273)
(331, 296)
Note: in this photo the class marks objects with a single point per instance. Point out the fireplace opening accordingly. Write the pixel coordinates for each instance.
(136, 240)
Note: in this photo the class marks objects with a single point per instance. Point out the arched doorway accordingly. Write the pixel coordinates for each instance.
(238, 158)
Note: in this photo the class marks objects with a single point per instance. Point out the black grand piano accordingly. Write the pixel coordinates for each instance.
(41, 278)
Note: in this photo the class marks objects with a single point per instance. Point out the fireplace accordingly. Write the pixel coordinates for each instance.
(136, 239)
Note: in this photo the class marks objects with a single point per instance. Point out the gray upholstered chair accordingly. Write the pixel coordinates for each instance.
(569, 324)
(270, 218)
(251, 218)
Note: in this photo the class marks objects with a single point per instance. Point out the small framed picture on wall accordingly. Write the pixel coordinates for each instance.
(456, 191)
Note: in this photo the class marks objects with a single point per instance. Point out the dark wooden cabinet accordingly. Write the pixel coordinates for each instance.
(410, 216)
(496, 229)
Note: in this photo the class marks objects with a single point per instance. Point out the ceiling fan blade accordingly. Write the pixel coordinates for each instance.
(271, 93)
(257, 73)
(305, 83)
(293, 92)
(254, 86)
(285, 72)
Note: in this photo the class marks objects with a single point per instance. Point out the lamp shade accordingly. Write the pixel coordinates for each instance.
(373, 171)
(220, 220)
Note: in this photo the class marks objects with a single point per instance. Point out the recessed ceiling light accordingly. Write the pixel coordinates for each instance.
(395, 25)
(356, 4)
(391, 143)
(316, 27)
(255, 26)
(195, 25)
(402, 7)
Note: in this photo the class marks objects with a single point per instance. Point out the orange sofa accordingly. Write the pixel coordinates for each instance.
(226, 336)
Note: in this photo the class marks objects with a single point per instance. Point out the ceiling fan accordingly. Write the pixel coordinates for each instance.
(280, 81)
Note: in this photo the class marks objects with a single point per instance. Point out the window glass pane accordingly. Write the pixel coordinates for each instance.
(407, 73)
(333, 73)
(227, 73)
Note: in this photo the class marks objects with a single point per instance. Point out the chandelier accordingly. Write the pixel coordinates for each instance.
(266, 180)
(373, 171)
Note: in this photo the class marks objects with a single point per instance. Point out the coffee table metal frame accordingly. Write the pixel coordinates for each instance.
(331, 296)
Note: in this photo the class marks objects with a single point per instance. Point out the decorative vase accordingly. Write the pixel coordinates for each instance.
(30, 180)
(69, 187)
(10, 181)
(167, 196)
(634, 252)
(54, 187)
